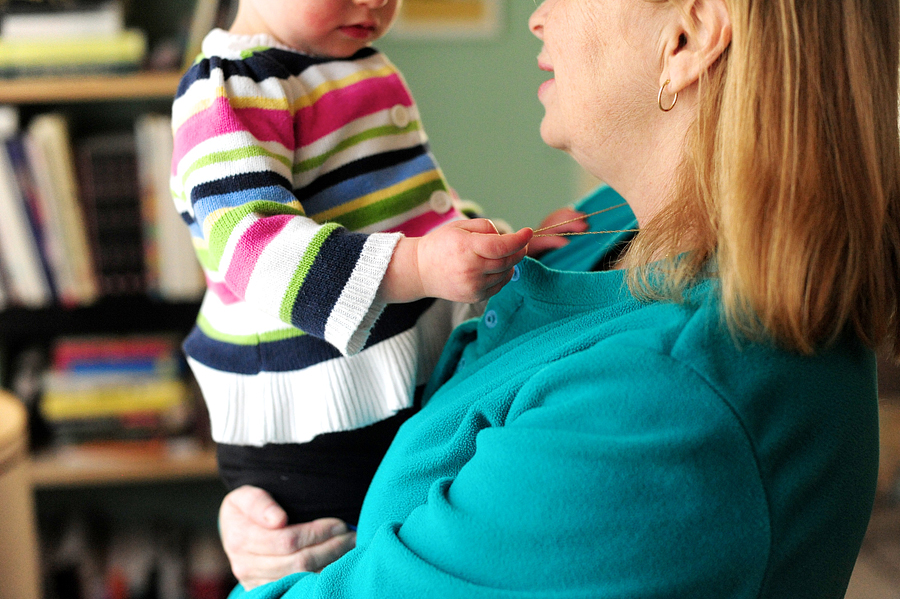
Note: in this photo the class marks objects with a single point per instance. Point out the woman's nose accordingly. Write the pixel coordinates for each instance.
(371, 3)
(536, 21)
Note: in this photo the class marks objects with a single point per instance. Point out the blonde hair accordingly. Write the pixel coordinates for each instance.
(791, 182)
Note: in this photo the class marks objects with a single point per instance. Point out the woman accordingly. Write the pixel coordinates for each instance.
(686, 412)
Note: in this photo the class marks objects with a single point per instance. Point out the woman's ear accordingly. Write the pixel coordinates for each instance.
(700, 32)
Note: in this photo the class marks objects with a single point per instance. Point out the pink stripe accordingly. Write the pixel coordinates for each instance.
(220, 119)
(342, 106)
(250, 247)
(422, 224)
(223, 292)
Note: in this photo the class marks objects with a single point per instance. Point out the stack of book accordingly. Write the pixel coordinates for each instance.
(39, 37)
(101, 388)
(92, 217)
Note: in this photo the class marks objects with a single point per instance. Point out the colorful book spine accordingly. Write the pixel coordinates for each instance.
(19, 248)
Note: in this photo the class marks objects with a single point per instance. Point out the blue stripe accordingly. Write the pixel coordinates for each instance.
(205, 206)
(367, 183)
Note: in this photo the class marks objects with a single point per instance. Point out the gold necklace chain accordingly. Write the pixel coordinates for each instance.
(538, 233)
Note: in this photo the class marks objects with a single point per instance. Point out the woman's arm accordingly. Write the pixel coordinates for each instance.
(599, 487)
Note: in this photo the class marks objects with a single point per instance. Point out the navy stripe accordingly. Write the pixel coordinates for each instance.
(239, 182)
(335, 261)
(285, 355)
(397, 318)
(295, 353)
(271, 62)
(359, 167)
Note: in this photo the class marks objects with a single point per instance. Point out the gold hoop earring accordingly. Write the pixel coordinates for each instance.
(659, 97)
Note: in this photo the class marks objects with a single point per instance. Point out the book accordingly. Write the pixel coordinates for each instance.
(144, 353)
(172, 271)
(15, 148)
(202, 21)
(207, 15)
(74, 397)
(49, 20)
(49, 151)
(4, 295)
(121, 52)
(108, 186)
(24, 274)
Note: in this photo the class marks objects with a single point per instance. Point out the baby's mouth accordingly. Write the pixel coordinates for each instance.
(358, 31)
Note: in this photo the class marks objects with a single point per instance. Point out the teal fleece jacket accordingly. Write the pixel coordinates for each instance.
(580, 443)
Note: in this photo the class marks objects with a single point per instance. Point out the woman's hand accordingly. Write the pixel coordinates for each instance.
(540, 245)
(261, 547)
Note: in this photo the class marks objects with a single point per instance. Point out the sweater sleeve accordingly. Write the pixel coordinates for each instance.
(232, 183)
(594, 486)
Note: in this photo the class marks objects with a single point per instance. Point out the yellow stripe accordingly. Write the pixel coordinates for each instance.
(312, 97)
(375, 197)
(259, 102)
(236, 102)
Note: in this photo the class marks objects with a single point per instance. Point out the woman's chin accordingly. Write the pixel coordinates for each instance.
(551, 138)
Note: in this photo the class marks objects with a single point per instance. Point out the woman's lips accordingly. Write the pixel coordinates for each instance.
(544, 67)
(544, 86)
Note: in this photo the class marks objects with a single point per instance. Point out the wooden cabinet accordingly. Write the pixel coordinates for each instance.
(167, 486)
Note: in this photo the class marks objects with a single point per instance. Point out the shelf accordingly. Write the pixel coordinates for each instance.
(89, 88)
(107, 315)
(113, 465)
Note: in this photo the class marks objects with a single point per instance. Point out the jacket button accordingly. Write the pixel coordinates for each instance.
(440, 201)
(400, 116)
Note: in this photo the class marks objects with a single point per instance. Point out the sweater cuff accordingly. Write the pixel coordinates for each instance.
(358, 307)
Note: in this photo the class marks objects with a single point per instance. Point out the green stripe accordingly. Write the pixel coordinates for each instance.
(232, 155)
(224, 226)
(204, 258)
(253, 339)
(309, 256)
(245, 54)
(384, 131)
(390, 206)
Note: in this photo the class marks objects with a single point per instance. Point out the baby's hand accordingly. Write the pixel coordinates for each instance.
(462, 261)
(540, 245)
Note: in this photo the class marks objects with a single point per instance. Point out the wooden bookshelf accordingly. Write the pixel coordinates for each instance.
(88, 88)
(117, 464)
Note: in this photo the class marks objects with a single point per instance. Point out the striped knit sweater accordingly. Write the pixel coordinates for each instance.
(297, 176)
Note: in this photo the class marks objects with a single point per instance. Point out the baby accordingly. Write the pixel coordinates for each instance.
(336, 259)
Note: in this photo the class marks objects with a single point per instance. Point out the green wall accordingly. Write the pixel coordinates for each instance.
(478, 100)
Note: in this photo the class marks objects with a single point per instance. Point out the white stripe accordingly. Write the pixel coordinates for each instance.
(220, 169)
(238, 318)
(340, 394)
(357, 308)
(277, 264)
(355, 127)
